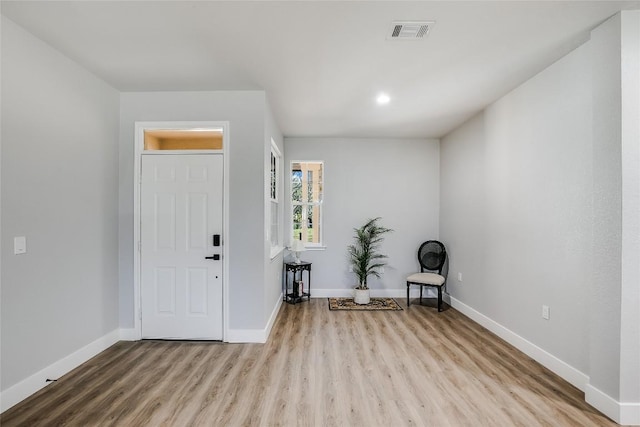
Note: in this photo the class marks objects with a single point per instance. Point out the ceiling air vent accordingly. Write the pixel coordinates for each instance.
(409, 30)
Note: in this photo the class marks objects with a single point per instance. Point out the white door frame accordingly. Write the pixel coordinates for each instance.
(140, 127)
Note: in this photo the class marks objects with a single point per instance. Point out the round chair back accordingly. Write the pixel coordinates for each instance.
(432, 256)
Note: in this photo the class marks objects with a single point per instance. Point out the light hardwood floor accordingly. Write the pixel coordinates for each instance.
(415, 367)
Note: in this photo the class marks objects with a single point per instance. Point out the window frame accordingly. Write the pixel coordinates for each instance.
(274, 190)
(317, 205)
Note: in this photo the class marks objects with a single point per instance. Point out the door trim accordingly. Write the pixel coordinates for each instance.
(140, 127)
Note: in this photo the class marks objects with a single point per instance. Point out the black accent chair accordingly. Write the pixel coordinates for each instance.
(431, 256)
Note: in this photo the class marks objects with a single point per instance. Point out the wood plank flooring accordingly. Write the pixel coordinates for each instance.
(415, 367)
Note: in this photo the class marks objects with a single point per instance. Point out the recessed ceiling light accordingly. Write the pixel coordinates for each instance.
(382, 99)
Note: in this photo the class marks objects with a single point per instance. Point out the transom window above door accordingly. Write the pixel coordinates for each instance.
(182, 139)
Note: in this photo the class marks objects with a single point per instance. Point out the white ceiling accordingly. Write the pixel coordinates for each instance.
(322, 63)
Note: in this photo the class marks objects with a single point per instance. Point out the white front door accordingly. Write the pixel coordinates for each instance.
(181, 211)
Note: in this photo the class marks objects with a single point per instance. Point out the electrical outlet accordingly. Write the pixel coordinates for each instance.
(19, 245)
(545, 312)
(459, 277)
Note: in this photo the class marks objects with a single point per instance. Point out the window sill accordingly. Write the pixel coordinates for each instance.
(315, 248)
(276, 251)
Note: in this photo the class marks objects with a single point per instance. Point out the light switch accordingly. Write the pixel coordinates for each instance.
(19, 245)
(545, 312)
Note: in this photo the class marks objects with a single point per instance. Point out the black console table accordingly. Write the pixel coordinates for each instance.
(292, 292)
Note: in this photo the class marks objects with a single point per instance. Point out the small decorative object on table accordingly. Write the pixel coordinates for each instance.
(297, 247)
(300, 287)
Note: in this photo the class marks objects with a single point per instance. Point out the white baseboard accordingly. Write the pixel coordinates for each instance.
(35, 382)
(272, 318)
(566, 371)
(129, 334)
(388, 293)
(622, 413)
(261, 335)
(245, 336)
(18, 392)
(627, 414)
(602, 402)
(233, 335)
(255, 335)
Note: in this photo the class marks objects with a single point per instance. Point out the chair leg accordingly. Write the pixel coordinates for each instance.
(439, 298)
(408, 302)
(420, 294)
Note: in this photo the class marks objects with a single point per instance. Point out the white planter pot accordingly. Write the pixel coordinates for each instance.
(361, 296)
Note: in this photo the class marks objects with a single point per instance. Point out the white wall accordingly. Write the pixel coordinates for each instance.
(516, 209)
(540, 201)
(615, 339)
(607, 179)
(59, 189)
(245, 112)
(395, 179)
(630, 292)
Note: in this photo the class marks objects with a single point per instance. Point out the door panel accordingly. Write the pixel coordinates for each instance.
(165, 291)
(197, 292)
(197, 221)
(164, 214)
(181, 209)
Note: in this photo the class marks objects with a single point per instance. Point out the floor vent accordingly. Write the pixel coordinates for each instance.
(409, 30)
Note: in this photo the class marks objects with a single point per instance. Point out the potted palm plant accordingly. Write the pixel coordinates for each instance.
(365, 258)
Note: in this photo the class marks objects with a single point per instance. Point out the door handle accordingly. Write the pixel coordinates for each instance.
(215, 257)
